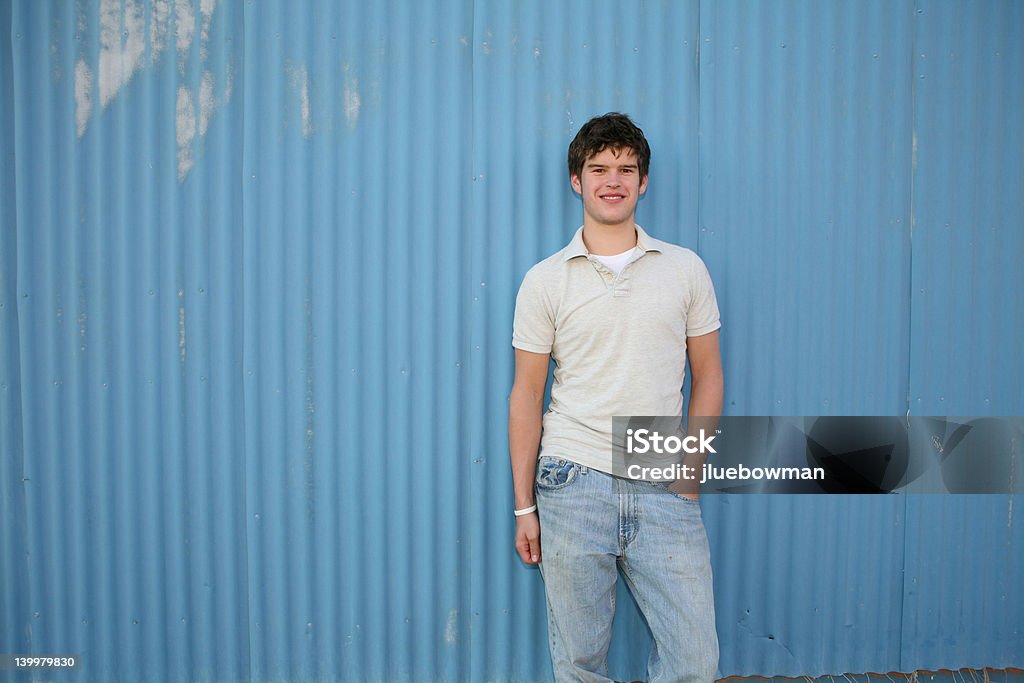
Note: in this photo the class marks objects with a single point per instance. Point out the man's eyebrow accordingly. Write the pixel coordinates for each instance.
(592, 164)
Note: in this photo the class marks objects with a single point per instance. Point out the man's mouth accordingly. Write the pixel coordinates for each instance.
(612, 197)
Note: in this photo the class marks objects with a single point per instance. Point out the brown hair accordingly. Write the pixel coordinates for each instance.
(612, 130)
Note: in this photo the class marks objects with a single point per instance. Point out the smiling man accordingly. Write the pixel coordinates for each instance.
(619, 312)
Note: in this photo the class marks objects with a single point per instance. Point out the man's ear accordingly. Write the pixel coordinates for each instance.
(574, 180)
(643, 185)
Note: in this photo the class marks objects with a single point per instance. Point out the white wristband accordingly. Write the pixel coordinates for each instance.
(525, 511)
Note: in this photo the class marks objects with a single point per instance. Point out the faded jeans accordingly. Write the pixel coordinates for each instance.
(593, 524)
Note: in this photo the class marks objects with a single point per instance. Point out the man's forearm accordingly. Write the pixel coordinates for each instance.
(706, 396)
(524, 428)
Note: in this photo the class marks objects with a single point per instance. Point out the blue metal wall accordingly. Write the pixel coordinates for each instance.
(257, 269)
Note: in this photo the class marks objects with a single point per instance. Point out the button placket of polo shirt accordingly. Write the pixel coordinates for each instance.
(621, 287)
(606, 274)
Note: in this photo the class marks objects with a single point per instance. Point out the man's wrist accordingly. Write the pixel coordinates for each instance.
(523, 502)
(524, 496)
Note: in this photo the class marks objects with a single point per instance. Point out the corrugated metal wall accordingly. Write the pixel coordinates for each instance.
(257, 269)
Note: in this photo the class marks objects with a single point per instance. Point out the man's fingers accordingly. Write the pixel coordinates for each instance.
(528, 539)
(535, 550)
(529, 550)
(523, 547)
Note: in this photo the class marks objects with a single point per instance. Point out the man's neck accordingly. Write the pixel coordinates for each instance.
(609, 240)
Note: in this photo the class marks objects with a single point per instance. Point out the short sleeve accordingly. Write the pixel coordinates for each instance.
(702, 316)
(533, 327)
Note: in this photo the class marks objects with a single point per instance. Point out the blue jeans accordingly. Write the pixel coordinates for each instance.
(593, 524)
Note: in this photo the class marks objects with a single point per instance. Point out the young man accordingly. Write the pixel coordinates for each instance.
(618, 311)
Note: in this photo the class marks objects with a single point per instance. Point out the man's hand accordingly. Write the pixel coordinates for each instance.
(528, 538)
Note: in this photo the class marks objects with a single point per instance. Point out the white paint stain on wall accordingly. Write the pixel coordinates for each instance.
(55, 60)
(350, 96)
(207, 103)
(159, 22)
(181, 331)
(124, 37)
(82, 319)
(122, 44)
(193, 116)
(181, 326)
(229, 81)
(451, 634)
(185, 130)
(206, 8)
(300, 83)
(185, 25)
(83, 95)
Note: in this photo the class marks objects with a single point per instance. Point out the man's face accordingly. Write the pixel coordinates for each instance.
(610, 185)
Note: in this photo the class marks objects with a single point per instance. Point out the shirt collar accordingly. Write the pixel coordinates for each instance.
(576, 247)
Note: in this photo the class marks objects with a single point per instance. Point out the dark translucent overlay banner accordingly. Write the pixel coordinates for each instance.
(824, 454)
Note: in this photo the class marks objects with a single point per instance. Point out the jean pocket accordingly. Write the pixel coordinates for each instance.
(664, 486)
(555, 473)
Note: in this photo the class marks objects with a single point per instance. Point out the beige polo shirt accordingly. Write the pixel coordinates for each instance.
(618, 341)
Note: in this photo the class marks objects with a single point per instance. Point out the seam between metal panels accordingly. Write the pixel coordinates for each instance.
(243, 431)
(910, 219)
(699, 209)
(472, 426)
(700, 136)
(20, 504)
(910, 317)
